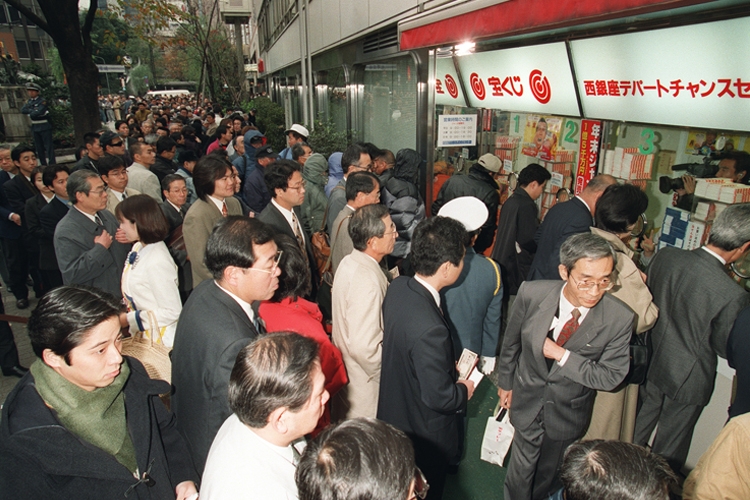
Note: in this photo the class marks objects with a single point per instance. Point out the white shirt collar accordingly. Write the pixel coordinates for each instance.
(117, 194)
(219, 203)
(584, 202)
(287, 215)
(244, 305)
(433, 292)
(176, 207)
(564, 314)
(719, 257)
(48, 198)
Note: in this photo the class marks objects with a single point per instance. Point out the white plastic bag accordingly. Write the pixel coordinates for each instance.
(498, 434)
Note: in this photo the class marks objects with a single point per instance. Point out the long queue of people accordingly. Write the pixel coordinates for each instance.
(214, 258)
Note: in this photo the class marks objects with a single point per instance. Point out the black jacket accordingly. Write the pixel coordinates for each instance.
(480, 184)
(163, 167)
(41, 459)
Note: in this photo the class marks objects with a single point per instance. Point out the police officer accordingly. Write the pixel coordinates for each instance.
(41, 128)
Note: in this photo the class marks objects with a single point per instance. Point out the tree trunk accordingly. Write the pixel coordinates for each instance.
(73, 43)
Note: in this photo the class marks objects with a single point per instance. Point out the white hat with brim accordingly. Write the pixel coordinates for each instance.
(299, 129)
(467, 210)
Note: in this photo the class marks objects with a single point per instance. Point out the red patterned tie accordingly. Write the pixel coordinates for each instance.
(224, 209)
(570, 327)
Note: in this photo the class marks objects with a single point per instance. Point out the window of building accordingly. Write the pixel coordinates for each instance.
(389, 104)
(14, 15)
(36, 50)
(3, 15)
(23, 49)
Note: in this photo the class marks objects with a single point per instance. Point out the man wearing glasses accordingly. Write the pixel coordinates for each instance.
(216, 323)
(354, 159)
(564, 341)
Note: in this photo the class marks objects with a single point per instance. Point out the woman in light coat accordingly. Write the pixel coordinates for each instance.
(149, 280)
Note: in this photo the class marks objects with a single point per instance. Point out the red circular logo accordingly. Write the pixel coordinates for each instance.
(450, 85)
(477, 86)
(540, 86)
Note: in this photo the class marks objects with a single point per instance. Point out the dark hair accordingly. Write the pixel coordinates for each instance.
(361, 458)
(66, 315)
(211, 114)
(175, 136)
(437, 240)
(136, 148)
(169, 179)
(731, 229)
(110, 162)
(741, 163)
(119, 122)
(277, 175)
(360, 182)
(387, 156)
(366, 223)
(39, 169)
(296, 135)
(585, 246)
(232, 243)
(144, 211)
(222, 129)
(274, 371)
(188, 131)
(614, 470)
(78, 182)
(298, 150)
(50, 174)
(165, 144)
(207, 171)
(90, 137)
(533, 172)
(619, 206)
(294, 281)
(351, 156)
(15, 153)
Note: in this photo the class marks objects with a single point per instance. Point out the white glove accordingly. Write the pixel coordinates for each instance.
(487, 364)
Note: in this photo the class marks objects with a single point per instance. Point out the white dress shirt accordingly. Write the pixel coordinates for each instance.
(565, 313)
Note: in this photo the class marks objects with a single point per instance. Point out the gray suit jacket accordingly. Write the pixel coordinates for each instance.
(83, 262)
(336, 203)
(698, 304)
(196, 228)
(341, 242)
(599, 360)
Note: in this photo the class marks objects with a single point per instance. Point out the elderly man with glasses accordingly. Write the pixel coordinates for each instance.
(564, 341)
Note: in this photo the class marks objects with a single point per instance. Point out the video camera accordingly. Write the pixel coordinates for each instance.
(704, 170)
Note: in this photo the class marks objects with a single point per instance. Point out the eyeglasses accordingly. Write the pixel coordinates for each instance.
(97, 191)
(273, 268)
(421, 487)
(301, 185)
(584, 286)
(115, 144)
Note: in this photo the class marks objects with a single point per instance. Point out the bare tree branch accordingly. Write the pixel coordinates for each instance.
(29, 14)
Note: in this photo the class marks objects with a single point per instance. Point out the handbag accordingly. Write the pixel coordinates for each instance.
(639, 358)
(498, 435)
(154, 356)
(321, 249)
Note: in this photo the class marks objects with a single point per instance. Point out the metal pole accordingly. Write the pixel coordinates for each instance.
(240, 56)
(310, 87)
(303, 61)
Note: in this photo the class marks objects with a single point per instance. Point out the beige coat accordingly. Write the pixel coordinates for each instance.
(613, 416)
(358, 292)
(200, 220)
(112, 200)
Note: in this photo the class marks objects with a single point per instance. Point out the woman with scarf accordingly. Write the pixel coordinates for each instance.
(86, 422)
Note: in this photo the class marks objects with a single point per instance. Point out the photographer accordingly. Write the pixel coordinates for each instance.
(735, 165)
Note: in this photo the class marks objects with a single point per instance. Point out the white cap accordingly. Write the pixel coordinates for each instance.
(467, 210)
(490, 162)
(299, 129)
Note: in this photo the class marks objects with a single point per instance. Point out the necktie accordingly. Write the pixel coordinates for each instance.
(297, 233)
(223, 208)
(569, 328)
(98, 220)
(124, 195)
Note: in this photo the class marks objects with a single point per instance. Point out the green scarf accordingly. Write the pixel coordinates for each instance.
(97, 416)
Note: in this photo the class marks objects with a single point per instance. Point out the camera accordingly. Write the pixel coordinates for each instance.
(701, 170)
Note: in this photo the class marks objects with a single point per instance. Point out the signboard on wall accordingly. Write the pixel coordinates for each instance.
(533, 79)
(457, 130)
(696, 75)
(588, 153)
(447, 89)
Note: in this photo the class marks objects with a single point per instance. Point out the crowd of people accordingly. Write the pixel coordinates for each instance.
(299, 376)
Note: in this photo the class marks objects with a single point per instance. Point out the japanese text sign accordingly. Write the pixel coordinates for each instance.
(457, 130)
(589, 153)
(696, 75)
(533, 79)
(447, 89)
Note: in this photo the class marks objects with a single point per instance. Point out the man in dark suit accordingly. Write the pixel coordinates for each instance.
(175, 206)
(565, 340)
(419, 390)
(562, 221)
(54, 177)
(287, 188)
(698, 304)
(18, 190)
(87, 252)
(10, 222)
(519, 219)
(216, 322)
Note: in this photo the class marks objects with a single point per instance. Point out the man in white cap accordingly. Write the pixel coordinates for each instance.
(480, 183)
(296, 133)
(473, 303)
